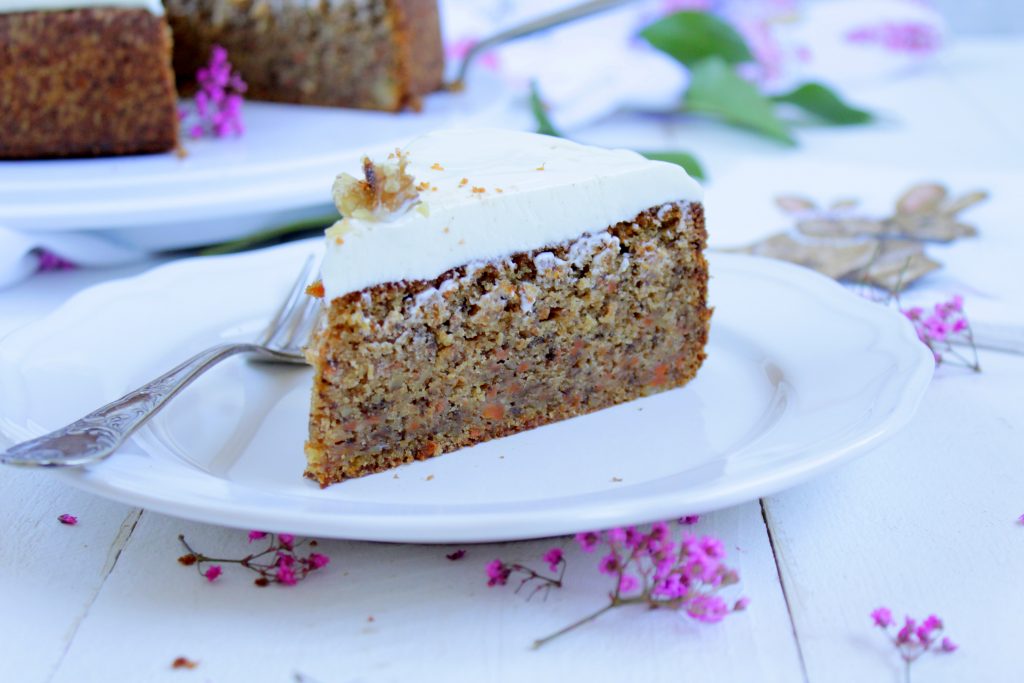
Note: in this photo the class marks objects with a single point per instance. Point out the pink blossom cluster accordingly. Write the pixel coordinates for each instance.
(69, 520)
(218, 101)
(907, 37)
(943, 325)
(278, 562)
(683, 573)
(659, 568)
(499, 572)
(913, 639)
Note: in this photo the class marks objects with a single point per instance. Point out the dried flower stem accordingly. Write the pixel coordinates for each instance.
(612, 604)
(278, 562)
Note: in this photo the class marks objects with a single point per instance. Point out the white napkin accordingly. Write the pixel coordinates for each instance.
(22, 253)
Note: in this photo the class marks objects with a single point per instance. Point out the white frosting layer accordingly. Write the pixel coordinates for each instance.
(537, 191)
(10, 6)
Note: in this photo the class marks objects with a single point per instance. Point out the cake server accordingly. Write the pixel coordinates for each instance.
(103, 431)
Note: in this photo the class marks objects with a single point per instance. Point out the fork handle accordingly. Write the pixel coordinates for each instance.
(103, 431)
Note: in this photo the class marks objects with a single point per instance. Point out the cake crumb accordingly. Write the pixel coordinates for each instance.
(478, 190)
(430, 477)
(437, 167)
(541, 167)
(498, 190)
(396, 476)
(464, 182)
(316, 289)
(445, 231)
(615, 480)
(462, 241)
(423, 186)
(184, 663)
(370, 619)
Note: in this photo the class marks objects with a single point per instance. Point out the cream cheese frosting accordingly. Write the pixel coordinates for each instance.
(11, 6)
(486, 194)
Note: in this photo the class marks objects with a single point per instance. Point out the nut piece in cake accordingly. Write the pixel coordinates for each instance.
(385, 189)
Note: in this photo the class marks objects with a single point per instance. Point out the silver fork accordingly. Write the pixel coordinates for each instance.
(103, 431)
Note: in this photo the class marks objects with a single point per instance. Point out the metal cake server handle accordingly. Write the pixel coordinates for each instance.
(103, 431)
(564, 16)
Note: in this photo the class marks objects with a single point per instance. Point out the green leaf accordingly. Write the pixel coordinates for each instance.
(540, 114)
(824, 103)
(716, 89)
(691, 37)
(684, 159)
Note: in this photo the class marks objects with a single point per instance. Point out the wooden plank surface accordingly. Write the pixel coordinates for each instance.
(926, 523)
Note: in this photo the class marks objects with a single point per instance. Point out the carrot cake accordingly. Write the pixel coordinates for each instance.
(485, 282)
(367, 54)
(85, 78)
(97, 77)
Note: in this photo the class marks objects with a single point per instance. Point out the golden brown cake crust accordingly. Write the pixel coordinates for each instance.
(85, 82)
(379, 54)
(410, 370)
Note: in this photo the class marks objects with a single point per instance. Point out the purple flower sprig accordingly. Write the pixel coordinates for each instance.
(912, 639)
(218, 100)
(943, 328)
(499, 572)
(652, 568)
(278, 562)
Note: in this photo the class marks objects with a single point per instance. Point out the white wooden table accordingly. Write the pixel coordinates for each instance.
(927, 523)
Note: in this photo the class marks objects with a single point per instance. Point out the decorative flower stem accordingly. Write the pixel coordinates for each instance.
(612, 604)
(277, 563)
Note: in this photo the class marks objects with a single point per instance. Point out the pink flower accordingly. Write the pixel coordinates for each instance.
(256, 535)
(659, 531)
(318, 560)
(908, 37)
(212, 572)
(707, 608)
(609, 564)
(616, 536)
(70, 520)
(628, 583)
(882, 617)
(633, 537)
(948, 645)
(498, 573)
(741, 604)
(287, 540)
(218, 100)
(285, 573)
(712, 547)
(689, 520)
(906, 634)
(927, 627)
(553, 557)
(1020, 520)
(588, 540)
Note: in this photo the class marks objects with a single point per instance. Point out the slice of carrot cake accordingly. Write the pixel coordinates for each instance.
(484, 282)
(85, 78)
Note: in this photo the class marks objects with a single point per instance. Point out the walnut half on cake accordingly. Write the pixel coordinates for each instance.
(529, 279)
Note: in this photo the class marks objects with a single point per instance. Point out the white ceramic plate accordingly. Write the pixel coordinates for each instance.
(849, 373)
(280, 171)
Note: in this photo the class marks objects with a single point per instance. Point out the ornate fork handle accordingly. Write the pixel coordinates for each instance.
(102, 431)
